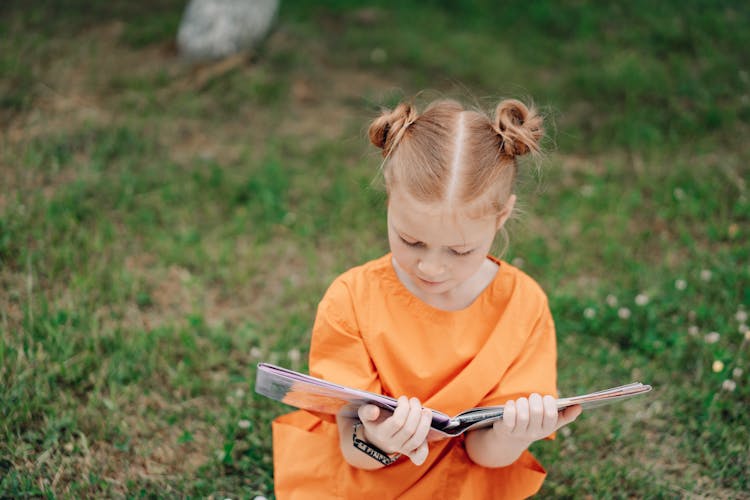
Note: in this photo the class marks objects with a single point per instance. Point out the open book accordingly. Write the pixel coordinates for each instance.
(314, 394)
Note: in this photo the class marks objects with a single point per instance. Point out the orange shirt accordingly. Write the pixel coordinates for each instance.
(372, 333)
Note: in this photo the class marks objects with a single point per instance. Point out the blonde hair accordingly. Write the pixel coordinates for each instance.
(451, 154)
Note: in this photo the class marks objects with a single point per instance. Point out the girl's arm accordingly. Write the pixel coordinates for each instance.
(524, 421)
(405, 432)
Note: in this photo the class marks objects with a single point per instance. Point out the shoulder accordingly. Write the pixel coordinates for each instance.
(354, 292)
(360, 281)
(521, 287)
(528, 306)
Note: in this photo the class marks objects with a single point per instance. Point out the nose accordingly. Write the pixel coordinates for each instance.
(430, 267)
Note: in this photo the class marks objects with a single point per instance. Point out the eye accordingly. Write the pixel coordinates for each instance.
(416, 244)
(461, 254)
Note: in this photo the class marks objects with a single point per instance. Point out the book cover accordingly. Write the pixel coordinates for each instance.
(317, 395)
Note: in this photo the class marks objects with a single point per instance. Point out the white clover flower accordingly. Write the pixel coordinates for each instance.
(378, 55)
(623, 313)
(743, 328)
(680, 284)
(255, 353)
(693, 331)
(679, 194)
(243, 424)
(741, 316)
(706, 275)
(259, 497)
(611, 300)
(737, 372)
(239, 394)
(565, 431)
(518, 262)
(293, 355)
(717, 366)
(641, 299)
(587, 190)
(712, 337)
(220, 454)
(589, 313)
(729, 385)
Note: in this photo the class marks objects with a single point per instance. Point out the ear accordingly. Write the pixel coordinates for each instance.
(506, 212)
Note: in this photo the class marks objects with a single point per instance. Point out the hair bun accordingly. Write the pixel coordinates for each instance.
(520, 128)
(386, 130)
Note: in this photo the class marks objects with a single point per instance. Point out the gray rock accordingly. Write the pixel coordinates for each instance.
(213, 29)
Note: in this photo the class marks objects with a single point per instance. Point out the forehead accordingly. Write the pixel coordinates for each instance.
(437, 223)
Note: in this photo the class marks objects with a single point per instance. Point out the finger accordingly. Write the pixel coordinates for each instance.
(368, 413)
(419, 455)
(394, 423)
(411, 422)
(550, 415)
(536, 412)
(509, 415)
(420, 434)
(522, 416)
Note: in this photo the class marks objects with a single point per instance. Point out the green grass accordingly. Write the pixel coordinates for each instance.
(161, 233)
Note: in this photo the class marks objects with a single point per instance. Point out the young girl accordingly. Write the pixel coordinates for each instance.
(437, 322)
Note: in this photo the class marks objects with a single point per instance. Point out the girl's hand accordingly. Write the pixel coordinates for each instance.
(403, 432)
(534, 418)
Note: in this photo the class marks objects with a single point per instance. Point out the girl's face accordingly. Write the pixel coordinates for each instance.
(437, 248)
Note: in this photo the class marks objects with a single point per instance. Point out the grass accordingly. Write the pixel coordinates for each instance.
(163, 229)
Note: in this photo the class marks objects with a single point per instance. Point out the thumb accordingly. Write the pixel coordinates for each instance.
(368, 412)
(568, 415)
(419, 455)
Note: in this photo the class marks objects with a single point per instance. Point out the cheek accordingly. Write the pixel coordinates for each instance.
(401, 252)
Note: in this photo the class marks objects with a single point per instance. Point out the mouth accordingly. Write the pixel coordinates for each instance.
(430, 283)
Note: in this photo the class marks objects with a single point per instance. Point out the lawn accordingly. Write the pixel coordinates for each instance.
(163, 228)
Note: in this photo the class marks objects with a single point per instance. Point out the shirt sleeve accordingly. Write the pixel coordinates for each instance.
(535, 367)
(337, 351)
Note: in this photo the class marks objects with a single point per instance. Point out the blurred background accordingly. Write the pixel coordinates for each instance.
(165, 226)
